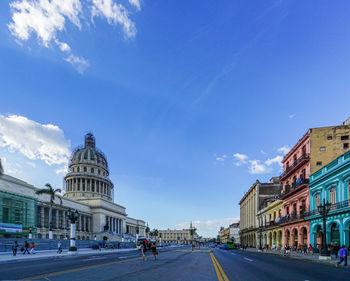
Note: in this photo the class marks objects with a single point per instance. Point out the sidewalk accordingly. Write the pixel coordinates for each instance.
(294, 255)
(46, 254)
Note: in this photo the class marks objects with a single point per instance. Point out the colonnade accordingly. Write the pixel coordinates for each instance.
(87, 184)
(115, 224)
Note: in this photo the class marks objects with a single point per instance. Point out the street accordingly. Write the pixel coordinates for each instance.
(177, 263)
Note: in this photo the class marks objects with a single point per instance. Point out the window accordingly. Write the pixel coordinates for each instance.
(329, 137)
(346, 145)
(317, 200)
(78, 169)
(85, 169)
(319, 163)
(344, 137)
(322, 148)
(92, 170)
(99, 171)
(333, 195)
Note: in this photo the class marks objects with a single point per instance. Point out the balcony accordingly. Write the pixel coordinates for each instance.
(296, 164)
(290, 188)
(334, 207)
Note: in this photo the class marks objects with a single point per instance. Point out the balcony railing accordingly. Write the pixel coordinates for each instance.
(289, 188)
(334, 207)
(288, 218)
(296, 162)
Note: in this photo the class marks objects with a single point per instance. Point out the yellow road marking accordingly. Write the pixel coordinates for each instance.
(45, 276)
(218, 266)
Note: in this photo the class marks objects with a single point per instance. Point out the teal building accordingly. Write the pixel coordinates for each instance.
(331, 183)
(17, 215)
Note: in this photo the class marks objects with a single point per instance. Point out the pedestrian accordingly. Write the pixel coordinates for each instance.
(118, 245)
(59, 247)
(154, 250)
(336, 250)
(343, 256)
(32, 248)
(15, 248)
(143, 251)
(310, 250)
(26, 248)
(106, 246)
(99, 246)
(112, 247)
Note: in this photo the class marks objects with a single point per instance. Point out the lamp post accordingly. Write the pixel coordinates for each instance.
(260, 229)
(323, 210)
(73, 216)
(137, 232)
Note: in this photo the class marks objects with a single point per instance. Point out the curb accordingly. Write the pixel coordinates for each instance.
(65, 255)
(298, 258)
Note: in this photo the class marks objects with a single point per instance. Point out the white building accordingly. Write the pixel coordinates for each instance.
(88, 190)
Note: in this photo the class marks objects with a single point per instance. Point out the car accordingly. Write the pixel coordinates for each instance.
(224, 247)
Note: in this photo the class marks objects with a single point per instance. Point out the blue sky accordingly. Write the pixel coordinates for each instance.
(191, 101)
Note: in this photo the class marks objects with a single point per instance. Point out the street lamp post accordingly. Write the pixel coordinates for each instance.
(323, 210)
(73, 216)
(30, 235)
(260, 244)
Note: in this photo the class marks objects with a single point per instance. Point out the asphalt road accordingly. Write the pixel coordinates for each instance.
(178, 263)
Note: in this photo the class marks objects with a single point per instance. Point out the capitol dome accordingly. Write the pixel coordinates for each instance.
(88, 173)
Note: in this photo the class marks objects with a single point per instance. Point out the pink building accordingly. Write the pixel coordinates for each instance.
(295, 195)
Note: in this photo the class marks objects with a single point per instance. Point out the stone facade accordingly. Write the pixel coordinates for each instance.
(182, 236)
(251, 202)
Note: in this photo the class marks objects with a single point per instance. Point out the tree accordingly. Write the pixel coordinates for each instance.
(49, 190)
(147, 230)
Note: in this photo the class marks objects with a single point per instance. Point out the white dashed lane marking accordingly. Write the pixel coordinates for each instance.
(248, 259)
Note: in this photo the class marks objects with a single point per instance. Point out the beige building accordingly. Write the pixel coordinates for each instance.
(249, 206)
(176, 236)
(224, 234)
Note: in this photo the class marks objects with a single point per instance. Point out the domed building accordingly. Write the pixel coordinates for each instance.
(88, 173)
(88, 190)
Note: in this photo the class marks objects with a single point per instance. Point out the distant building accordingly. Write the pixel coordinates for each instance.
(234, 233)
(224, 234)
(182, 236)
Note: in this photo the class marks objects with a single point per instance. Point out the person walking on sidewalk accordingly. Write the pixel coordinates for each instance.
(15, 248)
(26, 248)
(32, 248)
(343, 256)
(59, 247)
(154, 250)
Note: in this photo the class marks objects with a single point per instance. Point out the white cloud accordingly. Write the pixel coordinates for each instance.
(256, 167)
(284, 149)
(263, 152)
(80, 63)
(34, 140)
(136, 4)
(275, 160)
(209, 227)
(241, 158)
(64, 47)
(47, 19)
(115, 14)
(291, 116)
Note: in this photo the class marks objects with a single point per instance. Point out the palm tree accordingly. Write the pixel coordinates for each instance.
(49, 190)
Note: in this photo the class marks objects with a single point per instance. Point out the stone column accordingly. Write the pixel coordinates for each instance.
(42, 216)
(64, 219)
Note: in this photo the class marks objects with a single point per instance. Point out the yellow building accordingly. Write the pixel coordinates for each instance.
(224, 234)
(273, 231)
